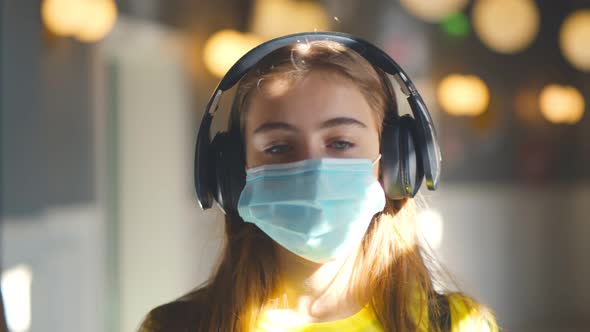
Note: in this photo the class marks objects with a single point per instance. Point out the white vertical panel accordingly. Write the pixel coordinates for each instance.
(167, 246)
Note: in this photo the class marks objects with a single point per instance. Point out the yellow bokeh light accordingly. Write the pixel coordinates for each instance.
(62, 17)
(87, 20)
(574, 39)
(506, 26)
(561, 104)
(463, 95)
(273, 18)
(101, 16)
(224, 48)
(433, 10)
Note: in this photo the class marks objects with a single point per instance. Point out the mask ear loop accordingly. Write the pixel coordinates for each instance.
(374, 162)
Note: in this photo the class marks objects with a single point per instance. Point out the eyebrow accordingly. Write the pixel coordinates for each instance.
(342, 121)
(335, 122)
(270, 126)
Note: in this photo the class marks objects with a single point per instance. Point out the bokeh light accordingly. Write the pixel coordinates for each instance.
(506, 26)
(62, 17)
(463, 95)
(433, 11)
(224, 48)
(456, 25)
(100, 17)
(273, 18)
(574, 39)
(16, 289)
(561, 104)
(88, 20)
(430, 227)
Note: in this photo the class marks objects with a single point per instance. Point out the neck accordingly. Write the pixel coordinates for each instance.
(316, 292)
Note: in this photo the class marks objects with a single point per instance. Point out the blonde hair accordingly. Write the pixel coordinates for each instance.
(388, 268)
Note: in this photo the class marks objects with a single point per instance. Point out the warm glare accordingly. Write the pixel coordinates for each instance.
(463, 95)
(86, 20)
(224, 48)
(433, 10)
(506, 26)
(561, 104)
(273, 18)
(575, 39)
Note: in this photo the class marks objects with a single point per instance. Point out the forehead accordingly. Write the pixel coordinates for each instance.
(307, 101)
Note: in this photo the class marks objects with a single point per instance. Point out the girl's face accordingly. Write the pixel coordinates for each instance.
(323, 115)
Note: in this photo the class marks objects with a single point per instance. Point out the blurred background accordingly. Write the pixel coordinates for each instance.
(100, 102)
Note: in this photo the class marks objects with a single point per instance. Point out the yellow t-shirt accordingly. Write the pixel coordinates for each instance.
(365, 321)
(277, 321)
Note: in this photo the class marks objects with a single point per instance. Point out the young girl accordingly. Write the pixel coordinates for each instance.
(313, 242)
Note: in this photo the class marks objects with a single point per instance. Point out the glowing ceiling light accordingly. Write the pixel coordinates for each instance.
(506, 26)
(273, 18)
(463, 95)
(225, 47)
(574, 39)
(561, 104)
(430, 227)
(87, 20)
(16, 290)
(433, 10)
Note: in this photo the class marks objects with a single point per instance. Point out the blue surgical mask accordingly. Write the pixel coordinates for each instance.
(319, 209)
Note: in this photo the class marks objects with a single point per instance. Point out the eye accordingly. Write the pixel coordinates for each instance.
(278, 149)
(341, 145)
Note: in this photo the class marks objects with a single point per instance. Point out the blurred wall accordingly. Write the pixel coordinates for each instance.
(50, 221)
(46, 100)
(520, 251)
(64, 249)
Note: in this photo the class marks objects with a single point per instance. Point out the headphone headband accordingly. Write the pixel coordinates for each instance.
(430, 154)
(373, 54)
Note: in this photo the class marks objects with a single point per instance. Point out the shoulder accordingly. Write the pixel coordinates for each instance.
(468, 315)
(180, 315)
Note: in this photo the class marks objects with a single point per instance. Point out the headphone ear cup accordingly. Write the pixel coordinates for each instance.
(202, 165)
(401, 170)
(230, 176)
(414, 172)
(214, 165)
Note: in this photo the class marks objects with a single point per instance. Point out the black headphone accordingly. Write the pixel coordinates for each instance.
(409, 146)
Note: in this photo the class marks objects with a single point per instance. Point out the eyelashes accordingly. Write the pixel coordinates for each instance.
(337, 146)
(278, 149)
(341, 145)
